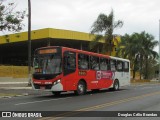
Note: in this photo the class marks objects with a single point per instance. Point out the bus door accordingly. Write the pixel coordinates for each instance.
(69, 69)
(85, 72)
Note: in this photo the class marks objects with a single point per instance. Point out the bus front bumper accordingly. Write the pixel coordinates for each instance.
(57, 87)
(51, 87)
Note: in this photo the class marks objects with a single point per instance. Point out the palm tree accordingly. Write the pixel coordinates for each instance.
(103, 29)
(128, 48)
(138, 47)
(147, 51)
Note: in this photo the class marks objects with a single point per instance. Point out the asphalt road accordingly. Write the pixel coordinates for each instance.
(145, 97)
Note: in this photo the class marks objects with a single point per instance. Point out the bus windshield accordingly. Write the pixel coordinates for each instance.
(47, 64)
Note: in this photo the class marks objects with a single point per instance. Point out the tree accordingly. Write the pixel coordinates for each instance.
(147, 52)
(103, 29)
(10, 20)
(128, 49)
(138, 47)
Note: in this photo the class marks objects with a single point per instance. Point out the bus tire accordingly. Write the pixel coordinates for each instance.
(81, 88)
(56, 93)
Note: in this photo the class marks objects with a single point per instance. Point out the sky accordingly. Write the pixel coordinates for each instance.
(79, 15)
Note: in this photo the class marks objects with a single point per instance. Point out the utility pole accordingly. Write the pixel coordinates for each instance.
(29, 42)
(159, 52)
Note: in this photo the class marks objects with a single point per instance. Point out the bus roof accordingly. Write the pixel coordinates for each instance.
(118, 58)
(85, 52)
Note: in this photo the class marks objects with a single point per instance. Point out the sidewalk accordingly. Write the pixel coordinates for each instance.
(14, 87)
(14, 83)
(10, 89)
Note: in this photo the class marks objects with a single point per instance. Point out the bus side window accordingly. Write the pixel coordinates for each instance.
(94, 63)
(69, 62)
(126, 66)
(119, 66)
(103, 64)
(83, 62)
(113, 65)
(108, 64)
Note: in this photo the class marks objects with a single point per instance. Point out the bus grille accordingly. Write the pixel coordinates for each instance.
(39, 86)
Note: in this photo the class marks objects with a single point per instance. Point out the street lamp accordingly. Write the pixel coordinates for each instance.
(29, 42)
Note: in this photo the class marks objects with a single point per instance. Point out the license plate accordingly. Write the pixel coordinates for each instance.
(42, 87)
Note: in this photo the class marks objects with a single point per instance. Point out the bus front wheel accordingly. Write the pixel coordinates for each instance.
(81, 88)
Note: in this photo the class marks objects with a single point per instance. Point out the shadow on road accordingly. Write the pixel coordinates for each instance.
(71, 94)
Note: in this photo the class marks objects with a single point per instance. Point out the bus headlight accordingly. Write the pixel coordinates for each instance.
(54, 83)
(57, 81)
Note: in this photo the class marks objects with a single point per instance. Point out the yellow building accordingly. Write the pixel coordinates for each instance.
(14, 47)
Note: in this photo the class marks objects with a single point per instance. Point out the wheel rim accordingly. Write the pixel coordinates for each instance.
(116, 86)
(81, 88)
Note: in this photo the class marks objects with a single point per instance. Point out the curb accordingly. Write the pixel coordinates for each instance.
(3, 83)
(16, 88)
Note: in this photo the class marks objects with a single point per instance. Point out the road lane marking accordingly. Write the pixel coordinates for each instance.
(41, 101)
(69, 114)
(118, 102)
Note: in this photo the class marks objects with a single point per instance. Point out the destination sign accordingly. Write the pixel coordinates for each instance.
(47, 51)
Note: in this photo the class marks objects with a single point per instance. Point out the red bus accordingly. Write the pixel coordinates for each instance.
(60, 69)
